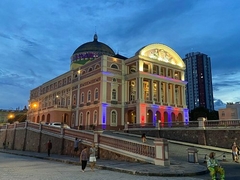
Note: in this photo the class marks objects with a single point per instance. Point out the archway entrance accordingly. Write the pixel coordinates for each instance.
(132, 117)
(149, 116)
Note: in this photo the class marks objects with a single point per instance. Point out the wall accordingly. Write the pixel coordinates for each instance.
(34, 140)
(213, 137)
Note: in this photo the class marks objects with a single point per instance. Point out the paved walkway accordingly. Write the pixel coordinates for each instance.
(176, 168)
(179, 166)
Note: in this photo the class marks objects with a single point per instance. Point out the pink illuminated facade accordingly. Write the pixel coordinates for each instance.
(107, 91)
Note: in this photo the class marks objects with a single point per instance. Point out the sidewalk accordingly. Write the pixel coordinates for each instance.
(176, 169)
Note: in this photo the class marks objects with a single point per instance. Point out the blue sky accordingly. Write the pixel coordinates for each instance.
(37, 38)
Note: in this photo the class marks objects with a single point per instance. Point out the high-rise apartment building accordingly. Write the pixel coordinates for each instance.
(199, 92)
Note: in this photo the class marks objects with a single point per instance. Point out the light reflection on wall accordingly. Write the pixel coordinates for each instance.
(104, 115)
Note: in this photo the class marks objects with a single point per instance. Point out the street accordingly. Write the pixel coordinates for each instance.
(15, 167)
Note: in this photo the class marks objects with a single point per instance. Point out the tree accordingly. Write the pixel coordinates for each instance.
(198, 112)
(203, 112)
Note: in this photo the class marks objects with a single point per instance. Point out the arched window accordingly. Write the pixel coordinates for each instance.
(96, 94)
(89, 95)
(114, 66)
(97, 66)
(90, 69)
(82, 97)
(113, 118)
(83, 72)
(114, 80)
(114, 94)
(95, 117)
(80, 119)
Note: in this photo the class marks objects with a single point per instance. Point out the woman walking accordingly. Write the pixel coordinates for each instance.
(84, 158)
(235, 152)
(92, 158)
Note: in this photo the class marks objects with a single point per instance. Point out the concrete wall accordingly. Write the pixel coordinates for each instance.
(213, 137)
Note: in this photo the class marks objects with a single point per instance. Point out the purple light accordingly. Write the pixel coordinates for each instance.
(186, 118)
(106, 73)
(104, 113)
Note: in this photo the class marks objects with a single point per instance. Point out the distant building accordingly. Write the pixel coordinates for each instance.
(199, 92)
(232, 111)
(107, 90)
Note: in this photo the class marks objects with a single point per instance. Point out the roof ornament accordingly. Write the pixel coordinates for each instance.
(95, 38)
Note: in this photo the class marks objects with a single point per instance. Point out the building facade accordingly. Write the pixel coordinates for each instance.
(106, 90)
(198, 74)
(232, 111)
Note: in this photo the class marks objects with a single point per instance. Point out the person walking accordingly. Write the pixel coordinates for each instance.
(84, 158)
(92, 158)
(144, 138)
(49, 147)
(235, 152)
(75, 146)
(214, 167)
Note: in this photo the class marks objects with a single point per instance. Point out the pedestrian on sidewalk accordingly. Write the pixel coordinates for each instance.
(84, 158)
(92, 158)
(49, 147)
(144, 138)
(235, 150)
(75, 146)
(214, 167)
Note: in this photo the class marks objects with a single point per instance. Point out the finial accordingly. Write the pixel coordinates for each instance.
(95, 38)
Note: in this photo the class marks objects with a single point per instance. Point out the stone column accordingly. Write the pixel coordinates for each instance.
(162, 152)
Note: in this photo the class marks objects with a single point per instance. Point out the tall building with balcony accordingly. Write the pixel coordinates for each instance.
(107, 90)
(198, 74)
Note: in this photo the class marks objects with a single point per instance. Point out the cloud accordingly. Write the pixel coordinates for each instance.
(38, 38)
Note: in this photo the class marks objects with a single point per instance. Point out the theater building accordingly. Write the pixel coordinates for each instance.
(106, 90)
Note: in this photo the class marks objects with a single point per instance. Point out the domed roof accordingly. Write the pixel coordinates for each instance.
(95, 46)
